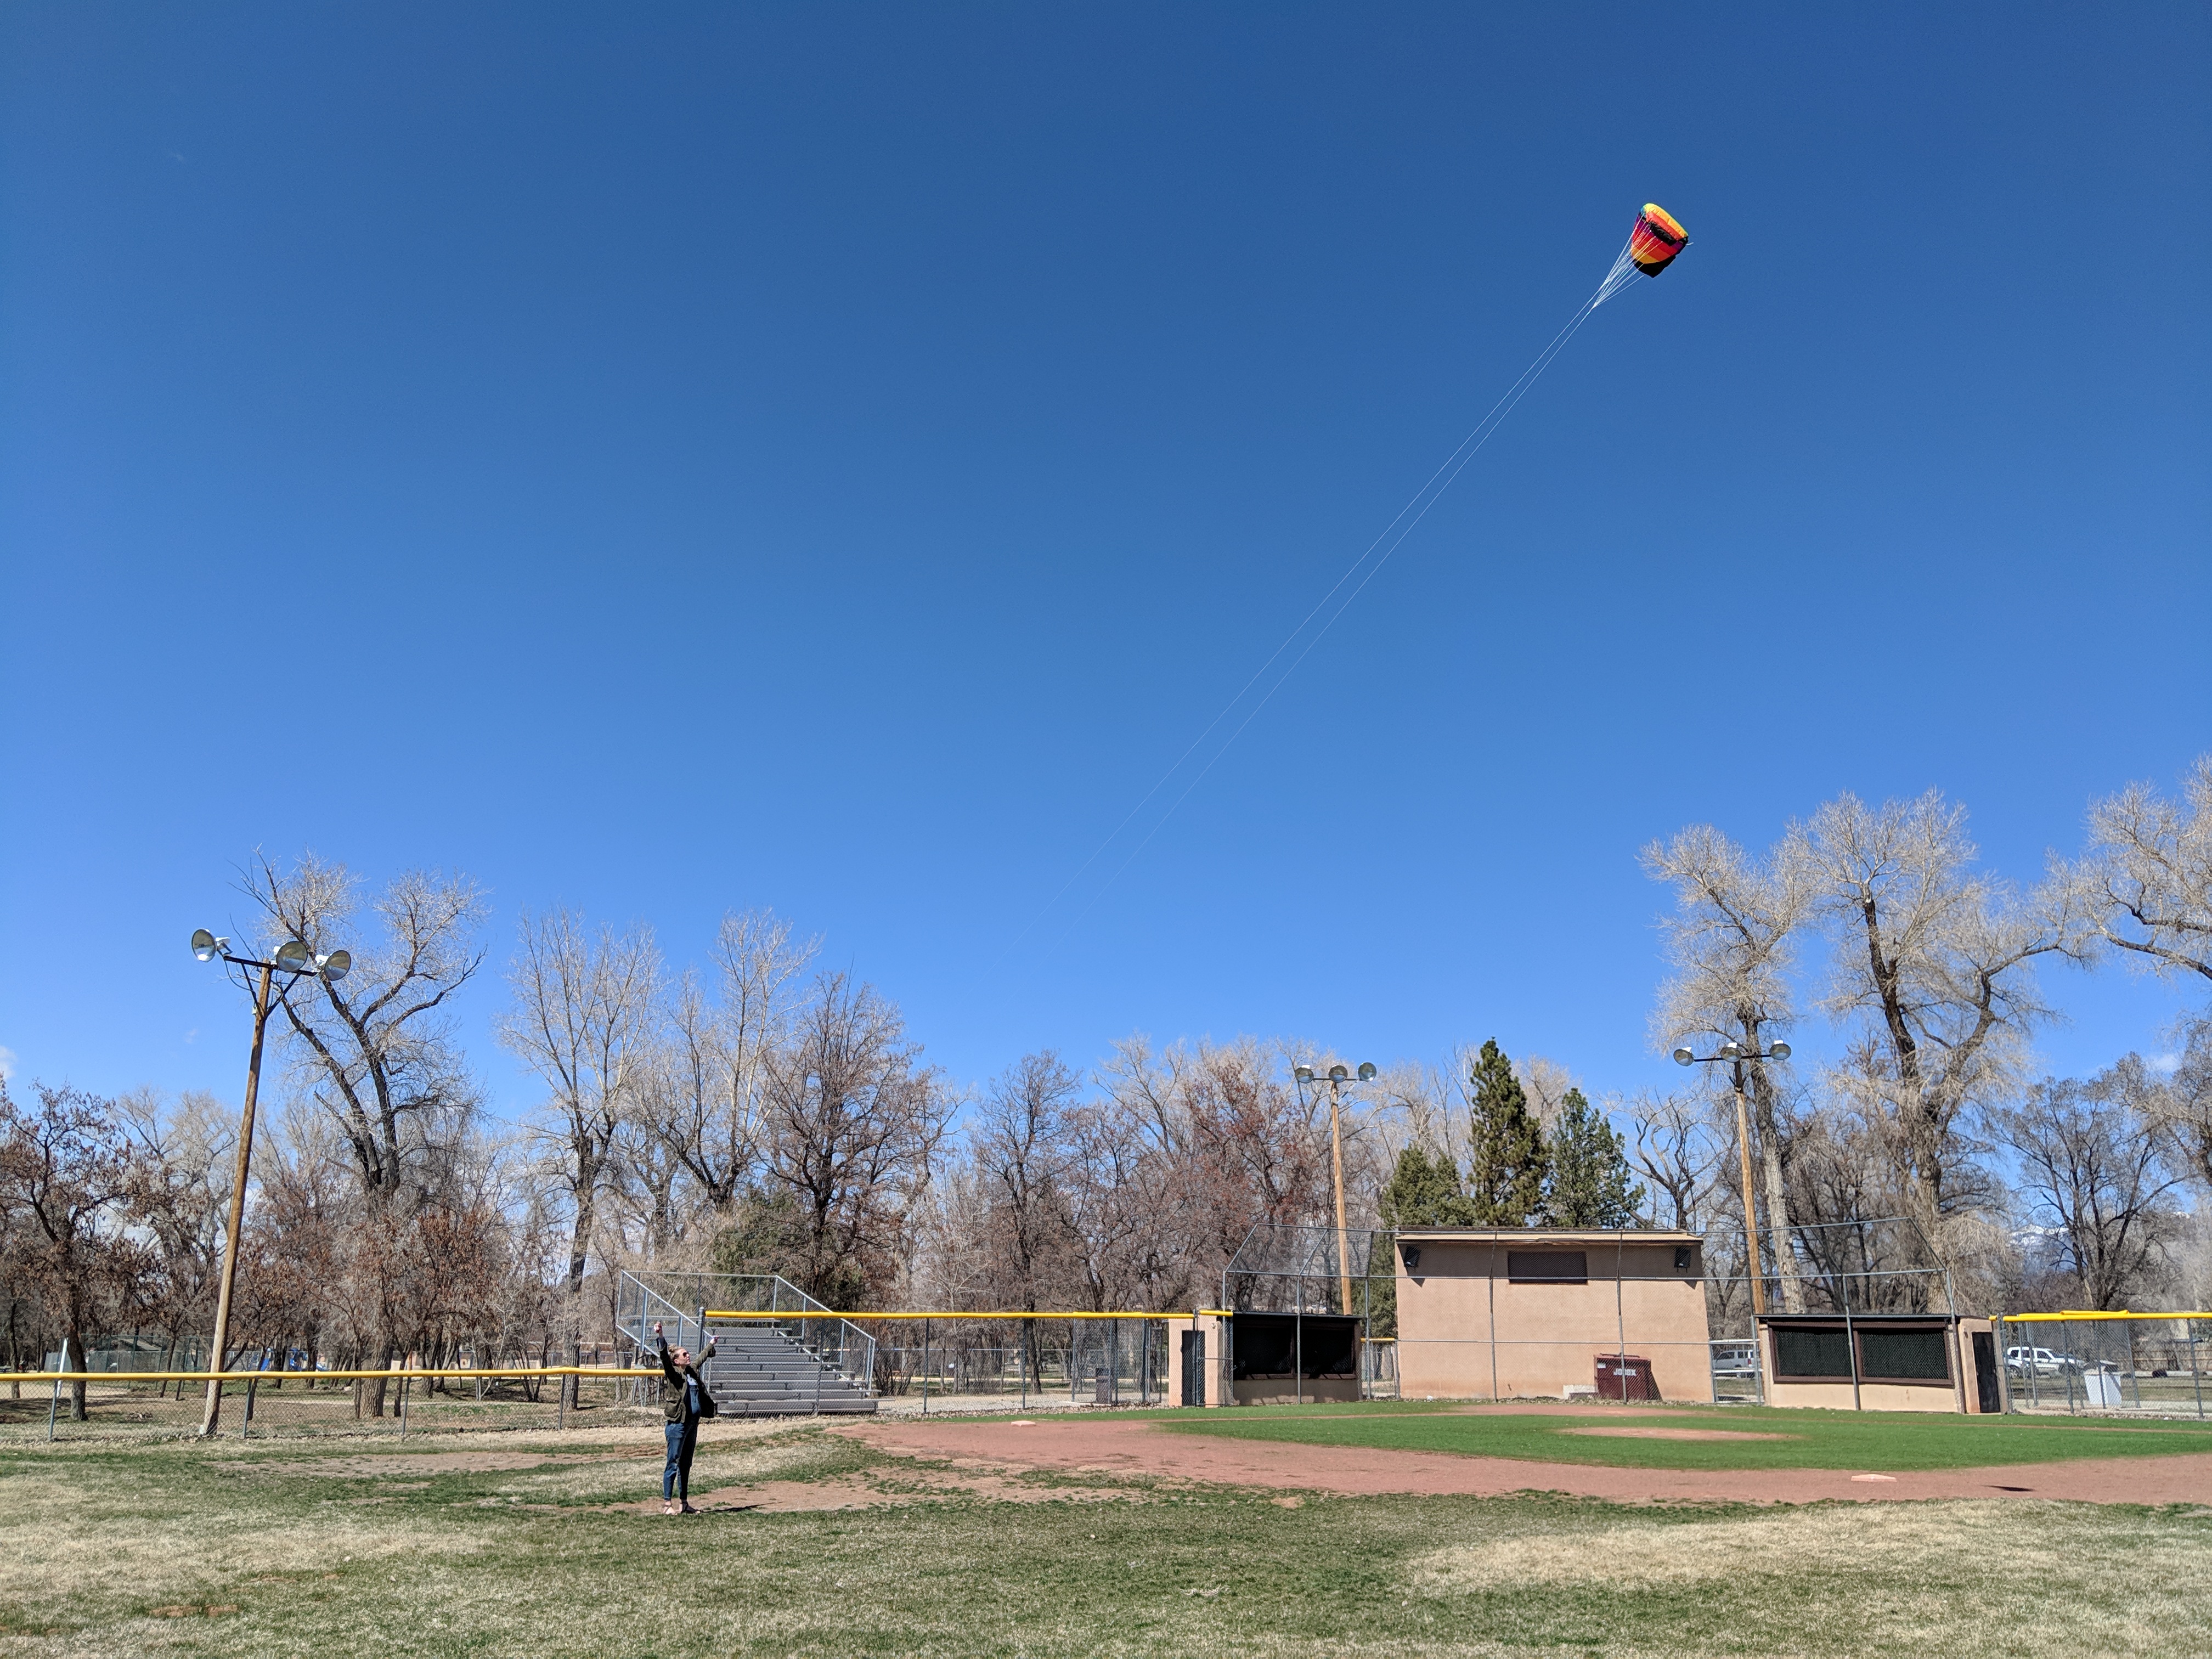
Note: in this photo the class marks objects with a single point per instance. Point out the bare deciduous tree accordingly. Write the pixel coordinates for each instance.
(1673, 1148)
(182, 1159)
(64, 1182)
(1731, 944)
(2148, 873)
(702, 1100)
(851, 1122)
(1939, 962)
(1023, 1146)
(582, 1020)
(2185, 1103)
(377, 1050)
(1218, 1142)
(2094, 1166)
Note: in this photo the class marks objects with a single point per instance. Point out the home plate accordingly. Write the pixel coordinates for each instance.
(1890, 1479)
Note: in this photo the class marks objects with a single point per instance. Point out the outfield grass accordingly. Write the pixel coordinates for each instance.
(332, 1548)
(1882, 1442)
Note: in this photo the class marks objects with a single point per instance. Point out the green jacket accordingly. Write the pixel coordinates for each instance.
(678, 1406)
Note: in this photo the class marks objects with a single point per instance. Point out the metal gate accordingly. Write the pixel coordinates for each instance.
(1194, 1368)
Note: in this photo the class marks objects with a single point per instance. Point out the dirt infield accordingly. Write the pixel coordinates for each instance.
(1104, 1445)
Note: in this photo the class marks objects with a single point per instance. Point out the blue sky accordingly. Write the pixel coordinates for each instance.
(666, 459)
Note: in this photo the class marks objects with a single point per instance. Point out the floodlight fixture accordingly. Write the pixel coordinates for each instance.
(1303, 1072)
(1367, 1071)
(207, 946)
(1339, 1074)
(1779, 1051)
(1683, 1056)
(294, 957)
(1731, 1051)
(334, 965)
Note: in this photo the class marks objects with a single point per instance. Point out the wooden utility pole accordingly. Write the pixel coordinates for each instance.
(208, 1420)
(1336, 1159)
(1750, 1203)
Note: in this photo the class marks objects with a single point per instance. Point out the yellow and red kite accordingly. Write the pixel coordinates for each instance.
(1656, 239)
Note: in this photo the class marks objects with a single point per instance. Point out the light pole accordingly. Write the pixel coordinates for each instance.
(1337, 1078)
(1734, 1054)
(294, 959)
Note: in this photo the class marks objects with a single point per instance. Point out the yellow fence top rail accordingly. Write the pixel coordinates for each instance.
(394, 1373)
(757, 1313)
(958, 1313)
(2092, 1313)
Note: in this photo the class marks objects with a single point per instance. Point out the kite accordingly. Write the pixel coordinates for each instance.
(1656, 239)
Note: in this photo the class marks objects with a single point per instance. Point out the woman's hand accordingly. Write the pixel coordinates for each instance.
(656, 1327)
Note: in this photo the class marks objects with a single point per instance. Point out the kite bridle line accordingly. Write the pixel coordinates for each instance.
(1623, 269)
(1624, 272)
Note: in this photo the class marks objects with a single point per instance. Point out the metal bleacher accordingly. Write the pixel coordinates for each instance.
(778, 1352)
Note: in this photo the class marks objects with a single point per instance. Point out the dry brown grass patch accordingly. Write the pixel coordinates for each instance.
(1894, 1542)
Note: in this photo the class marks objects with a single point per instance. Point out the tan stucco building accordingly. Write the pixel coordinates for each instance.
(1507, 1313)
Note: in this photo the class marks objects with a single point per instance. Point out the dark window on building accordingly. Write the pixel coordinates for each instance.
(1921, 1356)
(1547, 1266)
(1803, 1354)
(1269, 1344)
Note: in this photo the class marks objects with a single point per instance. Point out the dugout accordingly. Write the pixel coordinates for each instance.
(1517, 1312)
(1259, 1357)
(1283, 1359)
(1881, 1361)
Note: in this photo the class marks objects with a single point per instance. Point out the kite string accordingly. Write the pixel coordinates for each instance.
(1505, 407)
(1477, 437)
(1447, 471)
(1460, 453)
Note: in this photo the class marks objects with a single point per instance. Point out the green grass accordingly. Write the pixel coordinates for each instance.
(328, 1549)
(1877, 1442)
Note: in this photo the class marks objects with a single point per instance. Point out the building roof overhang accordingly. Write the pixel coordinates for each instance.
(1828, 1317)
(1545, 1235)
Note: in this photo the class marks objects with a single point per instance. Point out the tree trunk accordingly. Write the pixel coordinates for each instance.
(1781, 1241)
(578, 1252)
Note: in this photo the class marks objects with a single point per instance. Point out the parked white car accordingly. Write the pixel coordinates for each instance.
(1735, 1360)
(2041, 1361)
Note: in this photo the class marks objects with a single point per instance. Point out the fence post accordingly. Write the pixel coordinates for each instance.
(925, 1368)
(2196, 1376)
(56, 1403)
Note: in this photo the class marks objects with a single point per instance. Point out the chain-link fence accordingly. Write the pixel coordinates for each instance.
(1119, 1359)
(2152, 1364)
(128, 1404)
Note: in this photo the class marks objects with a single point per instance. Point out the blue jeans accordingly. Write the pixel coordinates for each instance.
(676, 1479)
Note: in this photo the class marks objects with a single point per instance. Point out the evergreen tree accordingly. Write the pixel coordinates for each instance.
(1590, 1185)
(1506, 1157)
(1424, 1192)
